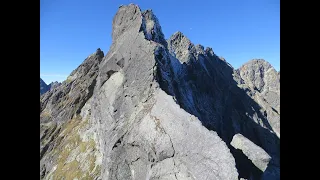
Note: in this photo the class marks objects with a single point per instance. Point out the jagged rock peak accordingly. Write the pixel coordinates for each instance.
(184, 50)
(123, 106)
(258, 62)
(54, 85)
(128, 17)
(98, 55)
(257, 73)
(180, 46)
(199, 49)
(43, 87)
(178, 38)
(130, 20)
(151, 27)
(99, 52)
(209, 51)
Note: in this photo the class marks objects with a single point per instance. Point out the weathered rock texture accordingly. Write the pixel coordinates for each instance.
(264, 84)
(43, 87)
(255, 153)
(151, 109)
(54, 85)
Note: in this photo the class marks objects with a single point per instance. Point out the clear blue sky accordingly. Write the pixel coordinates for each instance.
(238, 30)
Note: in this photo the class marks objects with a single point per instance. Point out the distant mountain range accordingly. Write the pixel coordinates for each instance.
(44, 87)
(160, 109)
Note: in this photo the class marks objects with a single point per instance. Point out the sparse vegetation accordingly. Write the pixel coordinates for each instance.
(68, 80)
(75, 158)
(45, 113)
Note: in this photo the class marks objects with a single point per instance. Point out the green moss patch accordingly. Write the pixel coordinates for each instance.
(75, 158)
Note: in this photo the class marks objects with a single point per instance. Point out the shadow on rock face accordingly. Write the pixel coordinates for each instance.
(117, 84)
(245, 167)
(204, 86)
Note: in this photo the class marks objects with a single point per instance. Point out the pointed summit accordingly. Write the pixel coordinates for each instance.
(43, 87)
(129, 21)
(99, 52)
(177, 37)
(152, 28)
(180, 45)
(150, 109)
(258, 64)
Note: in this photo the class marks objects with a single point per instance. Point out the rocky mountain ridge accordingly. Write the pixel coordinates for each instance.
(44, 87)
(153, 108)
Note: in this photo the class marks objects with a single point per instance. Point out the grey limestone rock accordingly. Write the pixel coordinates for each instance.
(60, 121)
(147, 131)
(256, 154)
(43, 87)
(181, 51)
(264, 81)
(208, 87)
(149, 109)
(54, 85)
(65, 100)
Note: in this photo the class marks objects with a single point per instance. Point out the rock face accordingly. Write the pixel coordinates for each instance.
(151, 109)
(256, 154)
(54, 85)
(68, 140)
(264, 83)
(43, 87)
(206, 86)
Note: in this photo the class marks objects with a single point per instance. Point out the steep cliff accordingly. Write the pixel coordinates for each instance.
(158, 109)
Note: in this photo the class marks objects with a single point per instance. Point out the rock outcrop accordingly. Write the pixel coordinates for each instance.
(206, 86)
(264, 84)
(43, 87)
(256, 154)
(152, 109)
(54, 85)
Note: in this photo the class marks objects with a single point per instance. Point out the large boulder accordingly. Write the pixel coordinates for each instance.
(154, 109)
(255, 153)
